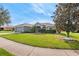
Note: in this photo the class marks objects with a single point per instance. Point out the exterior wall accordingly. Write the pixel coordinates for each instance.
(37, 29)
(27, 29)
(23, 29)
(49, 28)
(19, 29)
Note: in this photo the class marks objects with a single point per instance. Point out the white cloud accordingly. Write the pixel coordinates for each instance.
(41, 21)
(39, 8)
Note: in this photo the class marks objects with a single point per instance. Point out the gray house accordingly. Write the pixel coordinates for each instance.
(46, 26)
(23, 28)
(38, 26)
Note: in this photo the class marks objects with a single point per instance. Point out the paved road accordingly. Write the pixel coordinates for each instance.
(26, 50)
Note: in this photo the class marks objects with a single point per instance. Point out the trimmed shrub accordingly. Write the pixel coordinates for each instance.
(47, 31)
(50, 31)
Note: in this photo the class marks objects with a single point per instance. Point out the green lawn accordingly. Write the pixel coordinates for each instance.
(5, 31)
(4, 53)
(73, 35)
(43, 40)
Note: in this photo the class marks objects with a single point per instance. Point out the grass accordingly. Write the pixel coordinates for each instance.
(73, 35)
(5, 31)
(4, 53)
(43, 40)
(75, 43)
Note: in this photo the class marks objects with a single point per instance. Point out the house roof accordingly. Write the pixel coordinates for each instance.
(25, 24)
(31, 25)
(46, 24)
(7, 27)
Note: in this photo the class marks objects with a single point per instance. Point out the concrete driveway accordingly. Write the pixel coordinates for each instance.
(26, 50)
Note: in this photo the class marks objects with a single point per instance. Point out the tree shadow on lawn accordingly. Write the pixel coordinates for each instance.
(74, 44)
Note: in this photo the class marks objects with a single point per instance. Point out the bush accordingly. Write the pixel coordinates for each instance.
(42, 31)
(47, 31)
(27, 32)
(50, 31)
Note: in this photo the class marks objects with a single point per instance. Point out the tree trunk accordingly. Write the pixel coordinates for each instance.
(68, 34)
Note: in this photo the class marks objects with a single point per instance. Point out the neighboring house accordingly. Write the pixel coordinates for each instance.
(46, 26)
(23, 28)
(7, 28)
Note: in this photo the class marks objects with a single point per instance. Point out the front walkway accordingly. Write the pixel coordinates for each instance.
(26, 50)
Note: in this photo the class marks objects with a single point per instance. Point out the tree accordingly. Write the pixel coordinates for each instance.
(4, 16)
(65, 17)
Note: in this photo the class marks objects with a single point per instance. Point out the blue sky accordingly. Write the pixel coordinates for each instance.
(30, 12)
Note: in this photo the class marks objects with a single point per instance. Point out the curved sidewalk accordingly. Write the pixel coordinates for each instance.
(26, 50)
